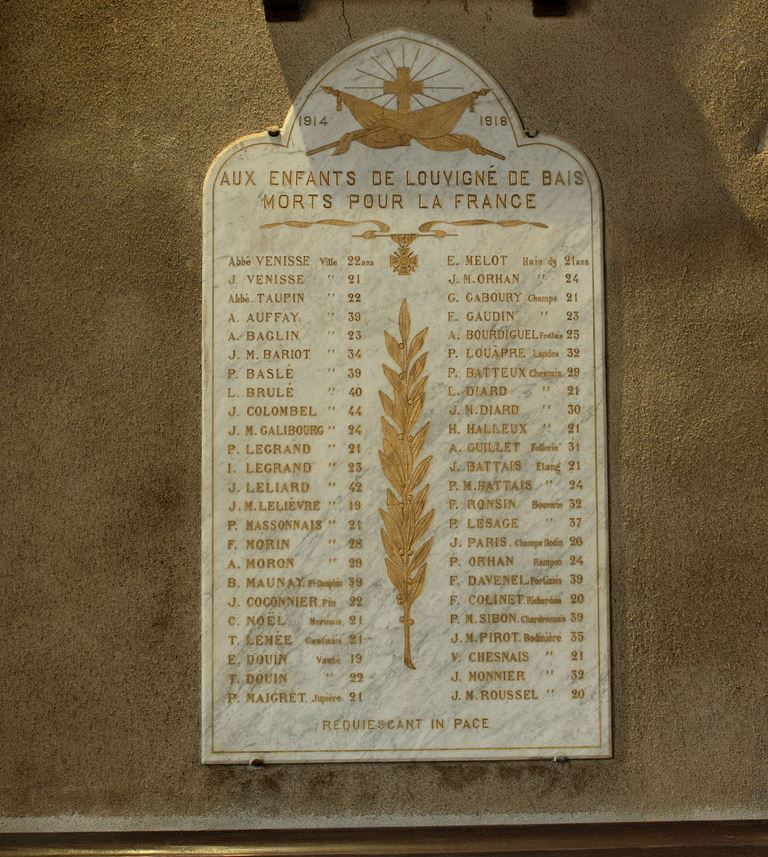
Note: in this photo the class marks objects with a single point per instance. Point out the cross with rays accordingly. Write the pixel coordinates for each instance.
(403, 87)
(383, 128)
(404, 84)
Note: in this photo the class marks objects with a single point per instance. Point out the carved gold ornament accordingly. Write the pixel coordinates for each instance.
(404, 261)
(381, 127)
(405, 522)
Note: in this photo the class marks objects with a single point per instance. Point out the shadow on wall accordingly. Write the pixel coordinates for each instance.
(612, 80)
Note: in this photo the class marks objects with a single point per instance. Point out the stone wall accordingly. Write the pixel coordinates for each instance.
(111, 113)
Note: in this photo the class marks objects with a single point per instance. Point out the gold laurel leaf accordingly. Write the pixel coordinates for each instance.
(405, 523)
(389, 406)
(404, 322)
(396, 352)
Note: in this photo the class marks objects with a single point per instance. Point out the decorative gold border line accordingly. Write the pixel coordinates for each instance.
(384, 229)
(429, 226)
(404, 261)
(381, 227)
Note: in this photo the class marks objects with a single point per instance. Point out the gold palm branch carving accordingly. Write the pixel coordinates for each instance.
(405, 521)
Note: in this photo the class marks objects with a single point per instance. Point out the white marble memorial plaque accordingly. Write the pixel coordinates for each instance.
(404, 535)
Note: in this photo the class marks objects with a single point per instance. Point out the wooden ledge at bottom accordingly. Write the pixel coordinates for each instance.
(642, 839)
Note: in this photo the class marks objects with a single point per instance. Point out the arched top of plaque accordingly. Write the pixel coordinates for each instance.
(404, 96)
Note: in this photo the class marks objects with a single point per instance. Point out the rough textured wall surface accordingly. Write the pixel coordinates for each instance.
(111, 113)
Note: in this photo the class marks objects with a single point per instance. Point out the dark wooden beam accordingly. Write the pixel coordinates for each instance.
(643, 839)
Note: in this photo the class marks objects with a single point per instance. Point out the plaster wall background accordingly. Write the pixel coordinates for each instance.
(110, 114)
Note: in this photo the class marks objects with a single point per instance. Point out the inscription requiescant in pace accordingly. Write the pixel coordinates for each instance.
(404, 527)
